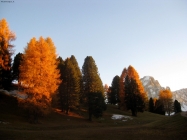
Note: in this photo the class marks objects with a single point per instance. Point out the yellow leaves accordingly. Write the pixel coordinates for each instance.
(5, 32)
(38, 69)
(165, 97)
(39, 75)
(165, 94)
(132, 73)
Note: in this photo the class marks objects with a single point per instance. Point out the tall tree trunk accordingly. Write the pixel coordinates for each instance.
(134, 112)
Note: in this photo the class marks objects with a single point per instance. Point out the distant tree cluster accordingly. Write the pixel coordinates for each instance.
(156, 106)
(127, 91)
(164, 104)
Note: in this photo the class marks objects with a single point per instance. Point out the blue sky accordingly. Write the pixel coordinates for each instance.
(150, 35)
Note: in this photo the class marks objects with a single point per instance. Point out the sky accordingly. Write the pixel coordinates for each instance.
(150, 35)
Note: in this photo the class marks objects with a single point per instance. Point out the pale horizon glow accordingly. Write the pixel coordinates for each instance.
(149, 35)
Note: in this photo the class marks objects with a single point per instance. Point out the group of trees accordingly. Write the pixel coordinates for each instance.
(43, 76)
(6, 37)
(127, 91)
(81, 87)
(164, 104)
(70, 88)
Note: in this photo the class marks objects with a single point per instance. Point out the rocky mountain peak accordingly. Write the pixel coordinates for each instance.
(151, 86)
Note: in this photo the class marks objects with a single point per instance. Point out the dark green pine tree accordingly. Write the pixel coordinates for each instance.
(135, 96)
(15, 67)
(177, 106)
(151, 105)
(79, 76)
(159, 107)
(69, 88)
(59, 96)
(114, 95)
(93, 88)
(133, 99)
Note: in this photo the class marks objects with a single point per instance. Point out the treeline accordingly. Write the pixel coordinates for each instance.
(48, 79)
(164, 104)
(128, 92)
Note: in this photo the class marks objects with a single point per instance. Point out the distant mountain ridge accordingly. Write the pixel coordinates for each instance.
(152, 87)
(181, 95)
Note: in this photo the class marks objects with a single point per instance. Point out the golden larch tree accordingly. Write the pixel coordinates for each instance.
(165, 96)
(122, 88)
(132, 73)
(135, 96)
(39, 76)
(6, 36)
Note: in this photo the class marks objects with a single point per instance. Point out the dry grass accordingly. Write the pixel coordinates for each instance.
(60, 126)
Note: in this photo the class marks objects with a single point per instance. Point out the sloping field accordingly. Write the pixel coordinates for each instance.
(57, 125)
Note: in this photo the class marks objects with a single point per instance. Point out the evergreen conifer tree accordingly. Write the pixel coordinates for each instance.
(93, 88)
(177, 106)
(151, 105)
(115, 90)
(121, 89)
(135, 96)
(17, 61)
(69, 88)
(79, 76)
(159, 107)
(59, 96)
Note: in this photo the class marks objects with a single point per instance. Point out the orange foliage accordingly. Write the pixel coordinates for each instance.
(132, 73)
(165, 97)
(6, 34)
(154, 100)
(165, 94)
(39, 74)
(121, 87)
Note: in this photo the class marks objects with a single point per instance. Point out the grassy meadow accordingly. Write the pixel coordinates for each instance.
(147, 126)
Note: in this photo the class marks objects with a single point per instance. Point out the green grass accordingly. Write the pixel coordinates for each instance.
(147, 126)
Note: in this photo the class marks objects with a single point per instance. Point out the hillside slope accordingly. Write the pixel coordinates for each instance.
(14, 125)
